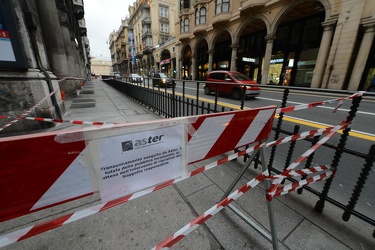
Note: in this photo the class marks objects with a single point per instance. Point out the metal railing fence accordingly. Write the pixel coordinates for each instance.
(167, 103)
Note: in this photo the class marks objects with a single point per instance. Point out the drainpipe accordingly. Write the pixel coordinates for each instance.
(31, 24)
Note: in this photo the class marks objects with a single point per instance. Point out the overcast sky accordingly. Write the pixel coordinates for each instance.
(102, 17)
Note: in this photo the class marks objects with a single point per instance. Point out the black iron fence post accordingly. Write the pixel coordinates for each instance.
(291, 150)
(216, 96)
(183, 98)
(339, 151)
(173, 101)
(243, 96)
(197, 100)
(309, 160)
(278, 128)
(370, 158)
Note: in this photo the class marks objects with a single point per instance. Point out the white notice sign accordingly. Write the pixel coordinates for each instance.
(132, 162)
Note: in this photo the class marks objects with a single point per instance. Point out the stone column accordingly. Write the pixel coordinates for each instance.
(362, 57)
(50, 25)
(68, 40)
(233, 66)
(172, 66)
(210, 59)
(267, 58)
(325, 45)
(178, 67)
(193, 67)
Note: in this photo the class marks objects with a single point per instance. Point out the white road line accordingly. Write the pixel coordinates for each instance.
(328, 125)
(299, 103)
(324, 107)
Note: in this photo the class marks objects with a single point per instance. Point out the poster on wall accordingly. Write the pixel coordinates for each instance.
(6, 48)
(11, 51)
(133, 162)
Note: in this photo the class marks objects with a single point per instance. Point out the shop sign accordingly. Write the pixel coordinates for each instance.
(166, 61)
(277, 61)
(248, 59)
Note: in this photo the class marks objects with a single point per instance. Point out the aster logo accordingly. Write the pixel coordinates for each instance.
(127, 145)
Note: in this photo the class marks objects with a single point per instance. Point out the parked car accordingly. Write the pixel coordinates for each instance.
(117, 75)
(231, 83)
(135, 78)
(162, 80)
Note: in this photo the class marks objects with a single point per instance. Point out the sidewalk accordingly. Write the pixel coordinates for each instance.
(144, 222)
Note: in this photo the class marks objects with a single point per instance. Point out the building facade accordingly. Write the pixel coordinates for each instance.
(42, 42)
(100, 67)
(145, 41)
(119, 48)
(306, 43)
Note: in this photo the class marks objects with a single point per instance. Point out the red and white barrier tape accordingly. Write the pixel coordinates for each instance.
(76, 122)
(315, 104)
(70, 78)
(275, 184)
(293, 186)
(45, 226)
(28, 111)
(273, 191)
(16, 119)
(278, 111)
(188, 228)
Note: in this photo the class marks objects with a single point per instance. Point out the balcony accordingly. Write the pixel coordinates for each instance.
(78, 9)
(252, 7)
(146, 21)
(125, 61)
(163, 19)
(200, 29)
(146, 35)
(82, 27)
(146, 6)
(85, 41)
(147, 50)
(221, 19)
(184, 36)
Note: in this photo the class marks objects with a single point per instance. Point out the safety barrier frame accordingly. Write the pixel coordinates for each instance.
(349, 209)
(184, 105)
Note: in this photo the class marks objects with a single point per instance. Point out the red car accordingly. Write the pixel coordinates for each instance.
(231, 83)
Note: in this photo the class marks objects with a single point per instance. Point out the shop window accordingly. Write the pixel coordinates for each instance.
(311, 31)
(296, 33)
(283, 36)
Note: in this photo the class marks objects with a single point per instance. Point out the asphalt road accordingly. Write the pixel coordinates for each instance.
(362, 136)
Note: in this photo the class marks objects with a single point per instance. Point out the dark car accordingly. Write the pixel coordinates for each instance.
(162, 80)
(135, 78)
(231, 83)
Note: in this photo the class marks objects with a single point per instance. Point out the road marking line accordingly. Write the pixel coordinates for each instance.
(354, 133)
